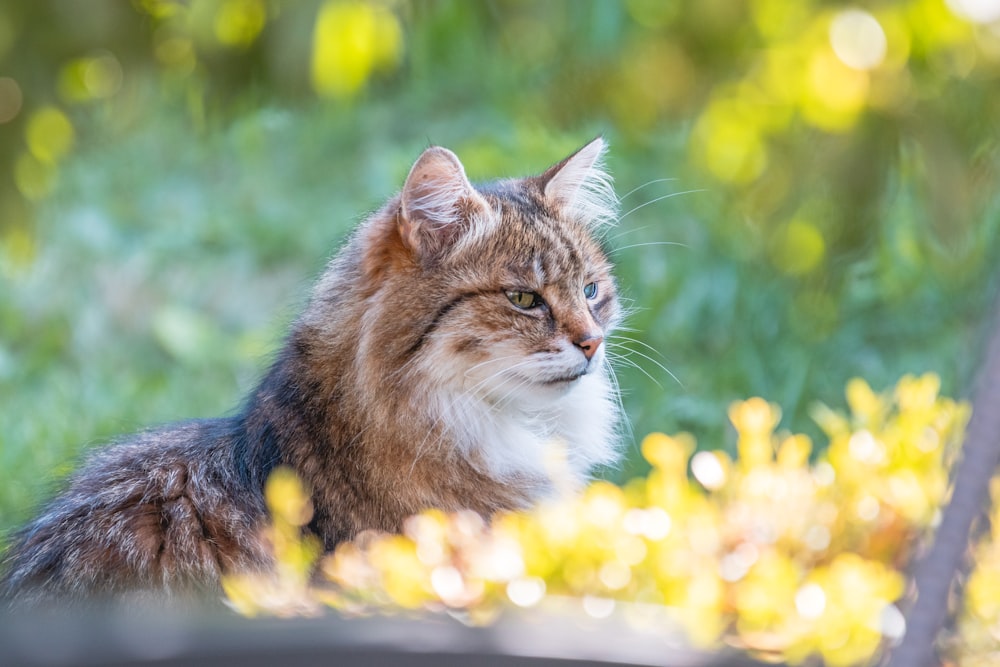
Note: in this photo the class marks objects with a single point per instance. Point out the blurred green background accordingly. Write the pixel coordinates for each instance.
(809, 190)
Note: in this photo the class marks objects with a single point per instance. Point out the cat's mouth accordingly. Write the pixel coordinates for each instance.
(565, 379)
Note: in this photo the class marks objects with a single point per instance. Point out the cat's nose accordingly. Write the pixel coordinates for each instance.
(589, 345)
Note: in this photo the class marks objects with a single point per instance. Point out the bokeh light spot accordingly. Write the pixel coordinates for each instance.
(11, 99)
(90, 78)
(350, 42)
(18, 249)
(653, 523)
(447, 582)
(977, 11)
(175, 52)
(858, 39)
(239, 22)
(615, 575)
(868, 508)
(526, 591)
(835, 93)
(892, 622)
(730, 146)
(102, 76)
(49, 134)
(34, 178)
(598, 607)
(707, 469)
(810, 601)
(865, 448)
(800, 248)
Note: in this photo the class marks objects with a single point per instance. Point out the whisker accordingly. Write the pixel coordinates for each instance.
(488, 378)
(653, 201)
(650, 243)
(654, 361)
(505, 400)
(628, 362)
(622, 415)
(639, 342)
(646, 184)
(626, 232)
(489, 361)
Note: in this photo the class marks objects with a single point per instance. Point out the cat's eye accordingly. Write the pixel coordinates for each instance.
(524, 300)
(590, 290)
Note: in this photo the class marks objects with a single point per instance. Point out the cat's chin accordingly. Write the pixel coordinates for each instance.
(557, 387)
(565, 381)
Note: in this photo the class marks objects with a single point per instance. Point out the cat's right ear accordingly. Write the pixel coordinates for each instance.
(438, 204)
(581, 187)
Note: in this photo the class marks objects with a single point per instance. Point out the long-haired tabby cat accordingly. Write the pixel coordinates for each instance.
(457, 332)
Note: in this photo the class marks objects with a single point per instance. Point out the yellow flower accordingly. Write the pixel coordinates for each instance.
(286, 498)
(866, 406)
(844, 605)
(918, 394)
(765, 597)
(755, 421)
(793, 452)
(667, 453)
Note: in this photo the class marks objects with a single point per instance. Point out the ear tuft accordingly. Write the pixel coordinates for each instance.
(438, 202)
(581, 187)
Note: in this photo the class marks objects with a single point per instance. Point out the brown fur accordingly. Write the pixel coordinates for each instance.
(397, 390)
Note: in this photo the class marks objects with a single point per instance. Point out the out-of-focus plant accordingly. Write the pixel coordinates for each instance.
(978, 636)
(846, 152)
(793, 106)
(59, 60)
(284, 590)
(837, 102)
(770, 551)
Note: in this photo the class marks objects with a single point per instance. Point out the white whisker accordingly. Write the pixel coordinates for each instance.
(639, 342)
(644, 185)
(621, 358)
(650, 243)
(658, 199)
(626, 232)
(652, 361)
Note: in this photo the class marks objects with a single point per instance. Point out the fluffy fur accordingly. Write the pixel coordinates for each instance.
(449, 348)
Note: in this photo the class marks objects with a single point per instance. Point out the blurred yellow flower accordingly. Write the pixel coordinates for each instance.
(351, 41)
(286, 497)
(772, 552)
(665, 452)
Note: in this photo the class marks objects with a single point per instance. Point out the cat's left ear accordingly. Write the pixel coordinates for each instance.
(580, 187)
(438, 204)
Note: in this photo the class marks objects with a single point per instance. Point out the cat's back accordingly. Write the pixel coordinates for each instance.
(165, 510)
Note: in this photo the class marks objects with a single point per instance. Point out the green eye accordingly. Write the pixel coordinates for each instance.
(590, 290)
(524, 300)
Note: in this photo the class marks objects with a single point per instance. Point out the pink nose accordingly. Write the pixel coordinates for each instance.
(589, 345)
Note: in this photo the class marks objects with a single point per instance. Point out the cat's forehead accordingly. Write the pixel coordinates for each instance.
(520, 197)
(529, 238)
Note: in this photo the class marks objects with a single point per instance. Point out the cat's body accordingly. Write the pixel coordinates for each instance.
(455, 337)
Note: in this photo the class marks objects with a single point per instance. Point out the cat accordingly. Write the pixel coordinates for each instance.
(457, 334)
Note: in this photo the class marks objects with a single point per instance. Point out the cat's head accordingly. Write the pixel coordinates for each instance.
(523, 291)
(497, 298)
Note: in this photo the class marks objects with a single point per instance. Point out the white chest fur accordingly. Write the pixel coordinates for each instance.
(558, 434)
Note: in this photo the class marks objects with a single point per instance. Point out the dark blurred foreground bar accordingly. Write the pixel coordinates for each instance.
(939, 571)
(528, 640)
